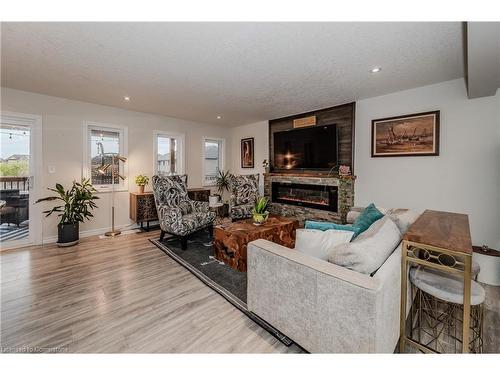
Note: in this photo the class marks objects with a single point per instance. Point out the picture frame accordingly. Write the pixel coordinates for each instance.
(414, 134)
(247, 153)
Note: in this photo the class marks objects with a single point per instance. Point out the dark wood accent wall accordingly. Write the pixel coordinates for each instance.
(342, 115)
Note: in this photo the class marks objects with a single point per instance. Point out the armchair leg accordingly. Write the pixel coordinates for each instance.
(184, 242)
(162, 235)
(211, 231)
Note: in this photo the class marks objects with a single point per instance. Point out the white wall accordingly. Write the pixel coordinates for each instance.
(465, 177)
(260, 132)
(63, 146)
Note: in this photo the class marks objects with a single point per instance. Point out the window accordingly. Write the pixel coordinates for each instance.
(169, 153)
(104, 141)
(213, 161)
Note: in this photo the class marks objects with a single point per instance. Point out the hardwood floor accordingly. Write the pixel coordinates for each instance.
(124, 295)
(118, 295)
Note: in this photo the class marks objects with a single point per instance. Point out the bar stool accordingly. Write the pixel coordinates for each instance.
(437, 310)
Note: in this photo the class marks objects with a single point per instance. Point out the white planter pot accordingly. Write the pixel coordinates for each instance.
(213, 199)
(490, 268)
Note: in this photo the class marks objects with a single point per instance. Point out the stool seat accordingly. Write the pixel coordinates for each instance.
(445, 286)
(475, 269)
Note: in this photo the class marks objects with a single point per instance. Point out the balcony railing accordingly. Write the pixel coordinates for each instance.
(14, 183)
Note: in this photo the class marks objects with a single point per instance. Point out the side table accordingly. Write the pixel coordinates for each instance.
(439, 240)
(218, 208)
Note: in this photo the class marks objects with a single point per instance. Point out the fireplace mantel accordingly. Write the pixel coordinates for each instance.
(345, 188)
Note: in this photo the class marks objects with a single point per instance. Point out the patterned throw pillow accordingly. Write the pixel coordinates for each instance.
(245, 188)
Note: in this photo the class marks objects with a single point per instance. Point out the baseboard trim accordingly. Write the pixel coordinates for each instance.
(92, 232)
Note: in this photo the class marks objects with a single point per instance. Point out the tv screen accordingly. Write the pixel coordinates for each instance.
(314, 147)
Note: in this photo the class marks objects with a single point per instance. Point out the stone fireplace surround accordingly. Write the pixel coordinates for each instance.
(345, 195)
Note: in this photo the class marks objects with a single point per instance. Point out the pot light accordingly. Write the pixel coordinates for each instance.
(219, 117)
(375, 69)
(126, 99)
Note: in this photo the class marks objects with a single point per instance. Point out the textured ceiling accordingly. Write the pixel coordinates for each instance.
(244, 71)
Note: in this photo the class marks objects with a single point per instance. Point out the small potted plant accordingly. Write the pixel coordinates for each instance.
(78, 201)
(265, 165)
(260, 213)
(141, 181)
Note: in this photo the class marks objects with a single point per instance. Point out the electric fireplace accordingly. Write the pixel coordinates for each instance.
(321, 197)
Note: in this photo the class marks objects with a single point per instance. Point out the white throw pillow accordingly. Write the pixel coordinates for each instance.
(319, 243)
(370, 249)
(403, 217)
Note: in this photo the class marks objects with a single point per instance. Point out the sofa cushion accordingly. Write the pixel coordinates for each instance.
(326, 225)
(355, 212)
(244, 188)
(370, 249)
(318, 243)
(362, 222)
(369, 215)
(403, 217)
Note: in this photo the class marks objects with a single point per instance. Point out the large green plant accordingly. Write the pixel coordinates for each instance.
(77, 202)
(222, 181)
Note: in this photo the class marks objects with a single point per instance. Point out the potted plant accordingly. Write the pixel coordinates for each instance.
(265, 165)
(77, 202)
(222, 181)
(141, 181)
(260, 213)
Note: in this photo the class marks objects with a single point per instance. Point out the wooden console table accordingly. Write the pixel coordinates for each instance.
(439, 240)
(143, 208)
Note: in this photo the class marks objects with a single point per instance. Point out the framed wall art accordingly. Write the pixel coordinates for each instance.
(247, 153)
(409, 135)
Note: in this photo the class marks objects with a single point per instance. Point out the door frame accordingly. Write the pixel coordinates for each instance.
(36, 168)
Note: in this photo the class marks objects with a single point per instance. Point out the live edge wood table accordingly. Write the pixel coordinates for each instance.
(231, 240)
(440, 240)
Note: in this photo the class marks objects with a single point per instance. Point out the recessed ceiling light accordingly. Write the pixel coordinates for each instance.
(126, 98)
(219, 117)
(376, 69)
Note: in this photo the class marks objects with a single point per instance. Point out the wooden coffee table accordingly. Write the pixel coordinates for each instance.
(231, 240)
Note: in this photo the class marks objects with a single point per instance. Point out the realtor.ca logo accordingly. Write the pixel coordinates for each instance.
(33, 349)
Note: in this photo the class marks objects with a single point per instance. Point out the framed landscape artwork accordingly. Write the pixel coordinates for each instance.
(247, 153)
(409, 135)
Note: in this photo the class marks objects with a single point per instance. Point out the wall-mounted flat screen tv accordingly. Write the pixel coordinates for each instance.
(314, 147)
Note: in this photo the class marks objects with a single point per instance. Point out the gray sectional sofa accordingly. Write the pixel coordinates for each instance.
(323, 307)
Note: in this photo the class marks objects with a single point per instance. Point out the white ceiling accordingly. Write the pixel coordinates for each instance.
(244, 71)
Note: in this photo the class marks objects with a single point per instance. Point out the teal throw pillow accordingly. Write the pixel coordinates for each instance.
(369, 215)
(325, 225)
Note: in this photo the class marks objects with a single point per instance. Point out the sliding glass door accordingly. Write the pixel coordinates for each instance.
(19, 219)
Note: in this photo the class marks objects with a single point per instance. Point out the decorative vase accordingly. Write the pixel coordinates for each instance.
(141, 189)
(259, 219)
(68, 234)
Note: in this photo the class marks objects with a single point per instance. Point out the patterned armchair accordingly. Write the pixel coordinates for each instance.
(244, 192)
(178, 215)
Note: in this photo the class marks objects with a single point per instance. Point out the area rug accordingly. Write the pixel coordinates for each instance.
(231, 284)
